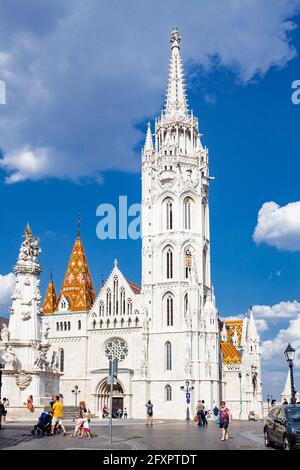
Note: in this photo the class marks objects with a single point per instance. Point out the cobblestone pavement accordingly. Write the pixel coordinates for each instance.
(135, 435)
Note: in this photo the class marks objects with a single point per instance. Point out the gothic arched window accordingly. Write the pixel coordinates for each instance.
(169, 308)
(101, 308)
(187, 263)
(108, 302)
(169, 262)
(204, 266)
(168, 349)
(187, 213)
(129, 307)
(61, 360)
(122, 301)
(168, 213)
(186, 304)
(79, 324)
(168, 393)
(115, 296)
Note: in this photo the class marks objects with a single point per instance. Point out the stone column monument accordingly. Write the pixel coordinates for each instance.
(24, 344)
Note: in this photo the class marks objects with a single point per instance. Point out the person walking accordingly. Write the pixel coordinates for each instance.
(149, 413)
(1, 412)
(273, 403)
(203, 415)
(225, 420)
(125, 415)
(285, 402)
(216, 412)
(5, 406)
(86, 426)
(80, 418)
(57, 415)
(200, 412)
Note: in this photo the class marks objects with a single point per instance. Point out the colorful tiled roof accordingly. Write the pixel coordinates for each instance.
(78, 285)
(50, 301)
(231, 327)
(230, 353)
(134, 287)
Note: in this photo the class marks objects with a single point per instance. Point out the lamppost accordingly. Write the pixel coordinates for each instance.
(290, 355)
(2, 365)
(76, 393)
(268, 401)
(187, 390)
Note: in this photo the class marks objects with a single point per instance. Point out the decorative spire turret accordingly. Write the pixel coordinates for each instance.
(50, 301)
(251, 330)
(176, 101)
(148, 142)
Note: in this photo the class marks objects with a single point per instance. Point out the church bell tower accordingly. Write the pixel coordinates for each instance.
(176, 277)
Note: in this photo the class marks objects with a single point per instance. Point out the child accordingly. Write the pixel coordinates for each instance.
(86, 426)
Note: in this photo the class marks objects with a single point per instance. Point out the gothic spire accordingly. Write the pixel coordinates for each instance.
(148, 142)
(77, 284)
(251, 330)
(176, 101)
(50, 301)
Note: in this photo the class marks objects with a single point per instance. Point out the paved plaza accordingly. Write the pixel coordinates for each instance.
(135, 435)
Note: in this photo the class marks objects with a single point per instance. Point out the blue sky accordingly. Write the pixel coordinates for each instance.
(83, 81)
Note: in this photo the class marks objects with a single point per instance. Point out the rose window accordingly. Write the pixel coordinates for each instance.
(116, 349)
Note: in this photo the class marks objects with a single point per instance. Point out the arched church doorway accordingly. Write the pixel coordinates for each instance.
(117, 399)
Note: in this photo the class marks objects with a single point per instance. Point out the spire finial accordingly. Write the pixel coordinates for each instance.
(78, 225)
(175, 38)
(116, 263)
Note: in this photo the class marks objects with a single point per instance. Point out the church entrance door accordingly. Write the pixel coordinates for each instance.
(117, 399)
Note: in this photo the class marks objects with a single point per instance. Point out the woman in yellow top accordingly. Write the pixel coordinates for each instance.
(57, 415)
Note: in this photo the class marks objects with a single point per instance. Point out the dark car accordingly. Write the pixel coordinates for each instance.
(282, 427)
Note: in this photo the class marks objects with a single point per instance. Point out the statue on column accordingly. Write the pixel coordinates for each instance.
(4, 333)
(9, 358)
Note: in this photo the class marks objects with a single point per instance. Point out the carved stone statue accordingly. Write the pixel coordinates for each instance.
(41, 362)
(4, 333)
(9, 358)
(54, 361)
(45, 331)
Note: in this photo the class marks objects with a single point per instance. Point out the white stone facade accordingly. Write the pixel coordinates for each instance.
(167, 332)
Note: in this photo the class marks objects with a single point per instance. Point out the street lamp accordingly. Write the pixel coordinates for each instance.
(2, 365)
(268, 401)
(290, 356)
(76, 393)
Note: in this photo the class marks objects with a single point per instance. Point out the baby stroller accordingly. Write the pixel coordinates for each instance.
(44, 424)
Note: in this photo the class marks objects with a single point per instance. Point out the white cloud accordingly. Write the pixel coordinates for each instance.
(27, 164)
(279, 226)
(81, 75)
(281, 311)
(261, 325)
(7, 284)
(272, 350)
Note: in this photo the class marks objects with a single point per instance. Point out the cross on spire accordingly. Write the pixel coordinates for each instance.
(78, 225)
